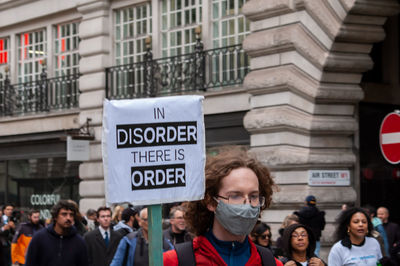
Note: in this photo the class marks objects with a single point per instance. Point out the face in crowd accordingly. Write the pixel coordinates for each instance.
(299, 240)
(8, 210)
(143, 220)
(178, 223)
(358, 226)
(34, 217)
(383, 214)
(104, 219)
(265, 238)
(65, 219)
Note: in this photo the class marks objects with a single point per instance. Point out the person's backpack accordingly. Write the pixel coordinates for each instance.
(186, 257)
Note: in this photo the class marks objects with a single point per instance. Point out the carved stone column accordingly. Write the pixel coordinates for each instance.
(307, 60)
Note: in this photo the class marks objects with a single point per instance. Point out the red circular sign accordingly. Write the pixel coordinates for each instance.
(389, 138)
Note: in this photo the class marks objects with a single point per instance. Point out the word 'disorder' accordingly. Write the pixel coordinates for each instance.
(156, 134)
(160, 176)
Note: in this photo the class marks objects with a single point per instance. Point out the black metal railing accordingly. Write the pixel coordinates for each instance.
(39, 96)
(198, 71)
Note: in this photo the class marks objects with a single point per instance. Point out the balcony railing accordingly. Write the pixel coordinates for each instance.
(199, 71)
(39, 96)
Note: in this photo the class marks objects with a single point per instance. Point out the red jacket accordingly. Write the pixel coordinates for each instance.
(207, 255)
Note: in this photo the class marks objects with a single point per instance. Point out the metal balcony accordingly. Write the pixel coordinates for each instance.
(201, 70)
(38, 96)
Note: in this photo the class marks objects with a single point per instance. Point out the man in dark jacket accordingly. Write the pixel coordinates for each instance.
(23, 237)
(177, 233)
(7, 230)
(102, 242)
(392, 229)
(310, 216)
(58, 244)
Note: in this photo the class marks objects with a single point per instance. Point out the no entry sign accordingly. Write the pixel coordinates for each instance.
(389, 137)
(154, 150)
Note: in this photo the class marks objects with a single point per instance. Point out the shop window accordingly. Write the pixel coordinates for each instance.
(66, 49)
(38, 183)
(32, 47)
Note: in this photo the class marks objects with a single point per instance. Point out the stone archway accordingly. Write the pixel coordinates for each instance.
(307, 60)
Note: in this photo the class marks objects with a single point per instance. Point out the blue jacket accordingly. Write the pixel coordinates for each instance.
(138, 250)
(49, 248)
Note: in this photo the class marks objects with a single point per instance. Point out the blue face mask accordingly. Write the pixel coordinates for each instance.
(238, 219)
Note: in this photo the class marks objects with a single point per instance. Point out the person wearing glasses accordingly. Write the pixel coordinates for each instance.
(262, 235)
(237, 189)
(299, 246)
(355, 244)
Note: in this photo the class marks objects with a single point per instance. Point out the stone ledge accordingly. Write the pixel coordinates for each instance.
(261, 9)
(382, 8)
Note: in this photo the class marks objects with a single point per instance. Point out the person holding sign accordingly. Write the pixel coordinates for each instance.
(237, 189)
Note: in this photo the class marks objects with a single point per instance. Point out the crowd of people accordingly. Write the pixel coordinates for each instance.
(222, 229)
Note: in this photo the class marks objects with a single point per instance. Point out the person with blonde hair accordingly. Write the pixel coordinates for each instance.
(117, 214)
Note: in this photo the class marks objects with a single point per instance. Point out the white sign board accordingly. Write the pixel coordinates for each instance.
(77, 150)
(154, 150)
(329, 178)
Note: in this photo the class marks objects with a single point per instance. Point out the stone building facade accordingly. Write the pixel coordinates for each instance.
(297, 108)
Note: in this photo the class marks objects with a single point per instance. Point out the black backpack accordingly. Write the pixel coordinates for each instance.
(186, 256)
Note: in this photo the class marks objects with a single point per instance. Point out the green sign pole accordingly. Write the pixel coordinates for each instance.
(155, 235)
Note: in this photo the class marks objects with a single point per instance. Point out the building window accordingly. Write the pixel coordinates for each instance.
(229, 26)
(179, 20)
(132, 26)
(4, 50)
(66, 49)
(32, 48)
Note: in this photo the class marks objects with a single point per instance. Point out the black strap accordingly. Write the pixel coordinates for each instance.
(267, 259)
(185, 253)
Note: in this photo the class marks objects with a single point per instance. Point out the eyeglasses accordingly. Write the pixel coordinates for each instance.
(304, 235)
(254, 200)
(265, 236)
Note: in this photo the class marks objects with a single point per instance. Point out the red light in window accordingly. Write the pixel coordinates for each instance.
(1, 52)
(62, 45)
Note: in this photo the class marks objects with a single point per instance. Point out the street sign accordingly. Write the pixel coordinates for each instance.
(154, 150)
(389, 137)
(323, 178)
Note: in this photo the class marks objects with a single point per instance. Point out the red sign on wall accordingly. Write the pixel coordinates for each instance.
(389, 137)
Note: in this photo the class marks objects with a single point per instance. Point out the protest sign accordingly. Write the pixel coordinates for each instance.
(154, 150)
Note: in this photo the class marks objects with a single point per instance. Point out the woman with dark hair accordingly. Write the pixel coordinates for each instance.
(262, 235)
(355, 245)
(299, 246)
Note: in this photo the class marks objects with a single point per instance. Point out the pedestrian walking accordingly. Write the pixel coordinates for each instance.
(355, 245)
(263, 236)
(133, 249)
(58, 244)
(177, 233)
(289, 220)
(299, 247)
(102, 242)
(392, 231)
(7, 231)
(23, 237)
(312, 217)
(129, 222)
(237, 189)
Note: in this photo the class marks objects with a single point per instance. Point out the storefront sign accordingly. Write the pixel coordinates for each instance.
(389, 137)
(154, 150)
(329, 178)
(44, 199)
(77, 150)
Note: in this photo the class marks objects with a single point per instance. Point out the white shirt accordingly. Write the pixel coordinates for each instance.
(103, 232)
(368, 254)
